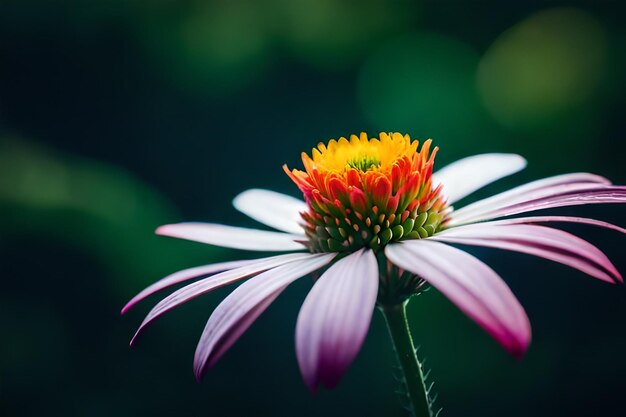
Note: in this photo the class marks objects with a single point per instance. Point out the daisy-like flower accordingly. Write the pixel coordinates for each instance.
(376, 225)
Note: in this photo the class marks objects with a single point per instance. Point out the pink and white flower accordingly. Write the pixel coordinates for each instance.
(379, 226)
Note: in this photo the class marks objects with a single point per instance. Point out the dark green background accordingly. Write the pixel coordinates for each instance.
(117, 116)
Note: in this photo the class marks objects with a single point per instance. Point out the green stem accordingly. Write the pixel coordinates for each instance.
(395, 316)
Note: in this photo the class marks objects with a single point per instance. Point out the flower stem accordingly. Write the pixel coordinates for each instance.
(395, 316)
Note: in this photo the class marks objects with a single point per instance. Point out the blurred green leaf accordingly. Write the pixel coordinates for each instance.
(549, 65)
(91, 204)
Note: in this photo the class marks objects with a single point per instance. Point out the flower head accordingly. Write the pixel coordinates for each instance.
(377, 225)
(368, 192)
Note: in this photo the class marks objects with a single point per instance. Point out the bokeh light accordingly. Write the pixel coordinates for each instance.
(187, 40)
(334, 35)
(543, 68)
(187, 43)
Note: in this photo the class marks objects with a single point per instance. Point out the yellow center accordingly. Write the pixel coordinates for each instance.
(362, 153)
(365, 192)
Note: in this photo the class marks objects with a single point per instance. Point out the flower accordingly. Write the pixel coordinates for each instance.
(378, 224)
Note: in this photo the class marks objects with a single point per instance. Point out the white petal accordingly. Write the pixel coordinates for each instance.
(233, 237)
(467, 175)
(280, 211)
(184, 275)
(239, 310)
(206, 285)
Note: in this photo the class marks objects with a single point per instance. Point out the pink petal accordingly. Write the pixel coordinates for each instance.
(545, 242)
(233, 237)
(205, 285)
(470, 284)
(467, 175)
(563, 219)
(555, 198)
(335, 317)
(182, 276)
(239, 310)
(561, 187)
(280, 211)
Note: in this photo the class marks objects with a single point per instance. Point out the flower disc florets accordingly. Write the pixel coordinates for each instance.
(368, 192)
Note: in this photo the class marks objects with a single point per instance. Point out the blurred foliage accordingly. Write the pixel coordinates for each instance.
(335, 35)
(188, 38)
(546, 66)
(92, 205)
(187, 42)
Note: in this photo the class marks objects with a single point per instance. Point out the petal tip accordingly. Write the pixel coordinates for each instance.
(519, 346)
(133, 341)
(198, 375)
(241, 197)
(201, 367)
(520, 159)
(162, 230)
(128, 306)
